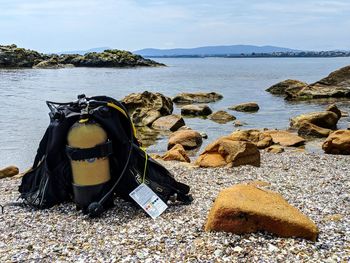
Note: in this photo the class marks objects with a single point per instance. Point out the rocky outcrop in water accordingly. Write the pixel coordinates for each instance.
(199, 97)
(289, 85)
(144, 108)
(335, 85)
(245, 107)
(13, 57)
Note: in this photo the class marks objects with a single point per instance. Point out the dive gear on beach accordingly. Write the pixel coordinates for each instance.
(89, 154)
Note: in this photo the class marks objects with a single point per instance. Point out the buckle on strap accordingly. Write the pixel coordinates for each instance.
(99, 151)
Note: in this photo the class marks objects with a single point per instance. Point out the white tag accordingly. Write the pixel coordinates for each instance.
(148, 200)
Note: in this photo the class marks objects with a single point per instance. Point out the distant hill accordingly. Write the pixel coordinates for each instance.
(83, 52)
(212, 51)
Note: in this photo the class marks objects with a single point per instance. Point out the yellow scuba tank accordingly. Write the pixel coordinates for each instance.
(88, 152)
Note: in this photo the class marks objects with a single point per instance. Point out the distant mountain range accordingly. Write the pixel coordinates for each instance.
(83, 52)
(212, 51)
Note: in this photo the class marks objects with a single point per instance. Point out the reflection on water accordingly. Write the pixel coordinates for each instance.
(23, 114)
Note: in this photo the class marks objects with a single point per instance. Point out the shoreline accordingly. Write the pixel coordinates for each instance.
(315, 184)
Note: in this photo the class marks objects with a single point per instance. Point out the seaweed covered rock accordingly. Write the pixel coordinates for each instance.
(199, 97)
(290, 84)
(112, 58)
(52, 63)
(146, 107)
(195, 110)
(246, 107)
(227, 152)
(221, 117)
(12, 56)
(247, 209)
(338, 142)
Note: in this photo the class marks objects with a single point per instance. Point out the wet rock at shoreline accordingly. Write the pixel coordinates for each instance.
(246, 107)
(337, 142)
(144, 108)
(312, 130)
(170, 123)
(335, 85)
(221, 117)
(246, 209)
(259, 138)
(334, 108)
(199, 97)
(146, 136)
(189, 139)
(238, 123)
(176, 153)
(52, 63)
(324, 119)
(289, 84)
(227, 152)
(195, 110)
(285, 138)
(8, 172)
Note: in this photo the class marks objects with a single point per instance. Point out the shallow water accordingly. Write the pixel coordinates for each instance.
(23, 115)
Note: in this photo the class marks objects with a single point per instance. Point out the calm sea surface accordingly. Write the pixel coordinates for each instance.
(24, 118)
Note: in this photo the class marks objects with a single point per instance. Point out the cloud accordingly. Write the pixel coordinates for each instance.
(55, 25)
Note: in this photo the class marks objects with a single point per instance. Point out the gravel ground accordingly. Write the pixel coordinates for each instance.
(316, 184)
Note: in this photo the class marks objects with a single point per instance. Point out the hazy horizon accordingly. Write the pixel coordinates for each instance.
(64, 25)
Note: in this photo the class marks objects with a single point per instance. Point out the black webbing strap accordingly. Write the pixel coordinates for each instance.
(99, 151)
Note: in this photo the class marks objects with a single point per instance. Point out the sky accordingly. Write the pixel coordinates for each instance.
(63, 25)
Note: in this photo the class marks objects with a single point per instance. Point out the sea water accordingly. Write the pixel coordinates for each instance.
(24, 115)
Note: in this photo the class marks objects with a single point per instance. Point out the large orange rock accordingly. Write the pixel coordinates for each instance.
(259, 138)
(189, 139)
(285, 138)
(176, 153)
(338, 142)
(227, 152)
(247, 209)
(8, 171)
(324, 119)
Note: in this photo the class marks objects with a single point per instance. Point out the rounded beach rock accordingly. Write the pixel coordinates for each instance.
(169, 123)
(196, 110)
(199, 97)
(221, 117)
(176, 153)
(324, 119)
(189, 139)
(246, 209)
(285, 138)
(338, 142)
(9, 171)
(227, 152)
(246, 107)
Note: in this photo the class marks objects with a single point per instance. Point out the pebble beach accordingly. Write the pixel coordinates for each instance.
(318, 185)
